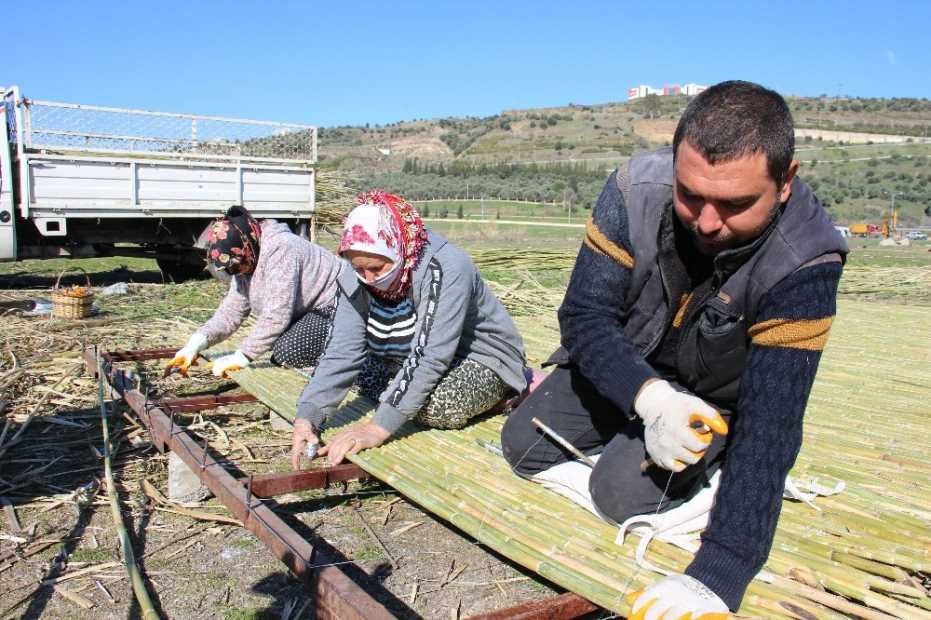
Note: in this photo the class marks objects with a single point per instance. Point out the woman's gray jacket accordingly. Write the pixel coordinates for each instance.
(458, 316)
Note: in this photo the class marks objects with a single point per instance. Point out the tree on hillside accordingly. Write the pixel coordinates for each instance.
(574, 185)
(650, 106)
(569, 198)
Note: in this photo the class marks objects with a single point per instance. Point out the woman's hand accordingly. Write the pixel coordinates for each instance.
(303, 436)
(187, 356)
(352, 441)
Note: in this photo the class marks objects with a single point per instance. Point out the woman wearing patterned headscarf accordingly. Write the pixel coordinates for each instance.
(288, 282)
(416, 329)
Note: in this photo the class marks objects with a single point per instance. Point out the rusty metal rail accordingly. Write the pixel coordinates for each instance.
(270, 485)
(561, 607)
(208, 401)
(139, 355)
(337, 595)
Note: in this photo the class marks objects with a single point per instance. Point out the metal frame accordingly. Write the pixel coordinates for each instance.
(27, 135)
(32, 150)
(8, 249)
(337, 595)
(169, 156)
(21, 130)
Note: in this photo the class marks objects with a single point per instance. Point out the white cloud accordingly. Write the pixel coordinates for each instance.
(890, 57)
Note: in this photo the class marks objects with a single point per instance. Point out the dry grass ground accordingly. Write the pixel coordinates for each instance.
(203, 567)
(195, 567)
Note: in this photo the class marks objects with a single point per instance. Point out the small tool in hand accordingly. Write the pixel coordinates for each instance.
(696, 425)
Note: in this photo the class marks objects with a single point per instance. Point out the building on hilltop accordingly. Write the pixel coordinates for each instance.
(636, 92)
(691, 89)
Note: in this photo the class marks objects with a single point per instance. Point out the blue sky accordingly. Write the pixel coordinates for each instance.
(331, 63)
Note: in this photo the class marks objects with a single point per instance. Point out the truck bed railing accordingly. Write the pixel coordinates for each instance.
(60, 127)
(89, 161)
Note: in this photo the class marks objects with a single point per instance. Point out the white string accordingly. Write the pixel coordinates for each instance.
(659, 506)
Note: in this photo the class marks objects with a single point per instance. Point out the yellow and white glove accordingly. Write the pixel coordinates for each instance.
(187, 355)
(230, 363)
(676, 597)
(678, 425)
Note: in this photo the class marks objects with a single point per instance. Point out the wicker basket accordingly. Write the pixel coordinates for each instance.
(73, 303)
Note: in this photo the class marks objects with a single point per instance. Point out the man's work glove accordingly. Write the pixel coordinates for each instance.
(676, 597)
(187, 356)
(678, 425)
(229, 363)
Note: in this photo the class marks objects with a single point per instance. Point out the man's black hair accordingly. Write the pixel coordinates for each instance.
(736, 119)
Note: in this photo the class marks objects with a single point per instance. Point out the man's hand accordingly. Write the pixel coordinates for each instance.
(354, 440)
(677, 597)
(302, 437)
(230, 363)
(678, 425)
(187, 355)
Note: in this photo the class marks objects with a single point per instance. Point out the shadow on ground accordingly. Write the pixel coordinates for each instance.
(40, 280)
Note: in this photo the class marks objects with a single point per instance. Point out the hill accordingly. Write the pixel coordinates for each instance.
(857, 152)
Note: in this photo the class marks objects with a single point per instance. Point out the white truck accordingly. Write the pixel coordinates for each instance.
(84, 180)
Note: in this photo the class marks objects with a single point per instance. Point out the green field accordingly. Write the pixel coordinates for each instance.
(493, 209)
(471, 236)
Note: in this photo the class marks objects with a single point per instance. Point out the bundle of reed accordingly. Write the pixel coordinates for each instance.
(865, 553)
(913, 283)
(335, 197)
(126, 545)
(526, 296)
(516, 259)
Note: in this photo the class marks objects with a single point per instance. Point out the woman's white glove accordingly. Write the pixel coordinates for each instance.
(678, 426)
(187, 355)
(230, 363)
(677, 597)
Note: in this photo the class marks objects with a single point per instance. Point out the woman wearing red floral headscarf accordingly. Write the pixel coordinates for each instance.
(416, 329)
(288, 282)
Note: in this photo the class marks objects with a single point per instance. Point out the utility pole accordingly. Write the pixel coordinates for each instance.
(891, 223)
(894, 223)
(566, 203)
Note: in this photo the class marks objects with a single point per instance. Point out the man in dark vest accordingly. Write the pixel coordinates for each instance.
(692, 328)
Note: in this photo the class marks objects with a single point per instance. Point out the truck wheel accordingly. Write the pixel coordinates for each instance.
(182, 269)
